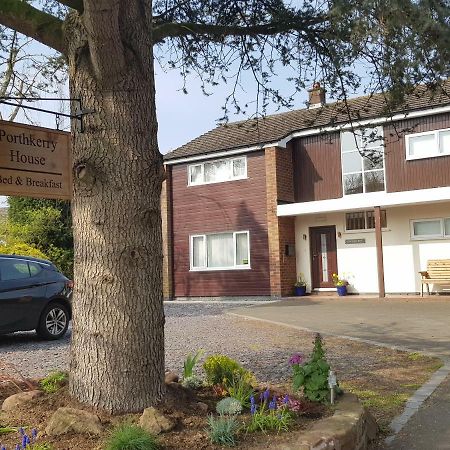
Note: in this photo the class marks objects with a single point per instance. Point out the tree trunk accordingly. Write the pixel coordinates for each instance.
(117, 353)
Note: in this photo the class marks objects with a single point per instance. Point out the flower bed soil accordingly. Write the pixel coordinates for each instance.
(179, 404)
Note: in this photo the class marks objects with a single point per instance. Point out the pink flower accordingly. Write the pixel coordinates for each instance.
(296, 358)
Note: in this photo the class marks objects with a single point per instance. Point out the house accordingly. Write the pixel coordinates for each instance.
(351, 188)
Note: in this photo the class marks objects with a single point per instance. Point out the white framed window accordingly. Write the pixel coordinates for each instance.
(437, 228)
(220, 251)
(429, 144)
(217, 171)
(363, 220)
(362, 156)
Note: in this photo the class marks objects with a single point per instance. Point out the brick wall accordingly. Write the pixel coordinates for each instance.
(281, 230)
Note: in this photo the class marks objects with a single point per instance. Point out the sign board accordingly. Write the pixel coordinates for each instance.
(355, 241)
(34, 162)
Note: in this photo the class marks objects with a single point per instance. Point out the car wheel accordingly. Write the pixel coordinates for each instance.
(53, 322)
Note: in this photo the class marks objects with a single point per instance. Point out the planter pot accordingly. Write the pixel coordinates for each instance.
(341, 290)
(300, 291)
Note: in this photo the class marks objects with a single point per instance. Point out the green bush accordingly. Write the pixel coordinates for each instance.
(313, 375)
(229, 406)
(131, 437)
(221, 369)
(241, 388)
(222, 430)
(53, 382)
(193, 382)
(21, 248)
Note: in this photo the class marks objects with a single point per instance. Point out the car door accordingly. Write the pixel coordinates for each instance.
(18, 292)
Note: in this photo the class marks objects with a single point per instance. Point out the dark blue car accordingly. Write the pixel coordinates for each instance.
(34, 295)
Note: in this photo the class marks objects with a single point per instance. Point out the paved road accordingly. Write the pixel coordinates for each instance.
(419, 324)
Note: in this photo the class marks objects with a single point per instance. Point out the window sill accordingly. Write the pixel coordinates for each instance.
(219, 269)
(217, 182)
(414, 158)
(372, 230)
(430, 238)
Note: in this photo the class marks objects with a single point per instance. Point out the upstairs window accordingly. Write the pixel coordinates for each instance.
(363, 220)
(218, 171)
(220, 251)
(427, 145)
(362, 160)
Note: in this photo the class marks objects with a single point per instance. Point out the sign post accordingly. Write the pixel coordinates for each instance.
(34, 162)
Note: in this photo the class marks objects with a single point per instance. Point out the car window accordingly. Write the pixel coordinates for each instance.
(11, 269)
(35, 269)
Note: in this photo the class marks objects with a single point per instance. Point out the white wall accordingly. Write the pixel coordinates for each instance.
(403, 257)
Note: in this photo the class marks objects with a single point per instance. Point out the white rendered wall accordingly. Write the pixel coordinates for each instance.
(403, 257)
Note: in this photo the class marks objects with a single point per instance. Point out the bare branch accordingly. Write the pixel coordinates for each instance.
(219, 32)
(32, 22)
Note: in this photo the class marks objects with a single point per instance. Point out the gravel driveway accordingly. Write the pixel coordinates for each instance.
(263, 348)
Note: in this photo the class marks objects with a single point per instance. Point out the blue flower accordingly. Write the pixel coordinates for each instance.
(252, 399)
(286, 399)
(3, 447)
(21, 431)
(17, 447)
(34, 434)
(273, 404)
(25, 441)
(253, 408)
(266, 394)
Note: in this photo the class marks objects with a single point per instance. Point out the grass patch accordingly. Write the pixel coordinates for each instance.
(413, 386)
(386, 402)
(415, 356)
(131, 437)
(53, 382)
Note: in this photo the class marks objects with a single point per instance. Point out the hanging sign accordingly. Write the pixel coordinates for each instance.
(34, 162)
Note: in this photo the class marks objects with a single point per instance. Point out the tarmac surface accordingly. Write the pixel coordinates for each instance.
(409, 323)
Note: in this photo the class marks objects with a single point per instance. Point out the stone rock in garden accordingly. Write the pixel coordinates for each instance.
(203, 407)
(155, 422)
(171, 377)
(66, 420)
(17, 400)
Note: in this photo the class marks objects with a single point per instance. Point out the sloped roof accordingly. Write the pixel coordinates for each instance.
(276, 127)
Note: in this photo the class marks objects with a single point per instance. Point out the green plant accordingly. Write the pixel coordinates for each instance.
(127, 436)
(6, 430)
(222, 430)
(53, 382)
(221, 369)
(269, 415)
(241, 388)
(193, 382)
(313, 375)
(300, 280)
(190, 362)
(229, 406)
(40, 446)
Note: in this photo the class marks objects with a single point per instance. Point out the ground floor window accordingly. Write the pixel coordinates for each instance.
(216, 251)
(438, 228)
(363, 220)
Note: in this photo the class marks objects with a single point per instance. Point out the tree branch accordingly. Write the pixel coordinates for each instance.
(20, 16)
(172, 29)
(74, 4)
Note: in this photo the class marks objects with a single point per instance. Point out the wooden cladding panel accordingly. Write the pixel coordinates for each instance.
(220, 207)
(317, 168)
(403, 175)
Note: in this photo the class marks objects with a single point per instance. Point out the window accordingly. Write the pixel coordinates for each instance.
(363, 220)
(35, 269)
(362, 160)
(217, 171)
(427, 145)
(220, 251)
(438, 228)
(13, 269)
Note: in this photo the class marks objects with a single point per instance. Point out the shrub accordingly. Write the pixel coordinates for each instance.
(313, 375)
(193, 382)
(268, 415)
(229, 406)
(221, 369)
(190, 362)
(53, 382)
(241, 388)
(131, 437)
(21, 248)
(222, 430)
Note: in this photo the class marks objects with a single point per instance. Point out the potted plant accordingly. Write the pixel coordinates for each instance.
(341, 285)
(300, 286)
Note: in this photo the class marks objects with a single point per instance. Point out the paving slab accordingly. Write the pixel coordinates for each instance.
(419, 324)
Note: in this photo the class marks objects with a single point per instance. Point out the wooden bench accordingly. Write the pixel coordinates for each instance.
(438, 272)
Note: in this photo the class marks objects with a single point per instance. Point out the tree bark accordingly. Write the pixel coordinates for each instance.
(117, 353)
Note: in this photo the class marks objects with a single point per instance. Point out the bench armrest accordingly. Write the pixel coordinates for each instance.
(424, 274)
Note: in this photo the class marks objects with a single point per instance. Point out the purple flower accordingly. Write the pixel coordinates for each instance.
(24, 441)
(3, 447)
(34, 434)
(273, 404)
(21, 431)
(286, 399)
(266, 394)
(17, 447)
(253, 408)
(252, 399)
(296, 358)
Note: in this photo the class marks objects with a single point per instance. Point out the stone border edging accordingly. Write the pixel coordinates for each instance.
(351, 427)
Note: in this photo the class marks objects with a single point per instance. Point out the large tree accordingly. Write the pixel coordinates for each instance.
(117, 356)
